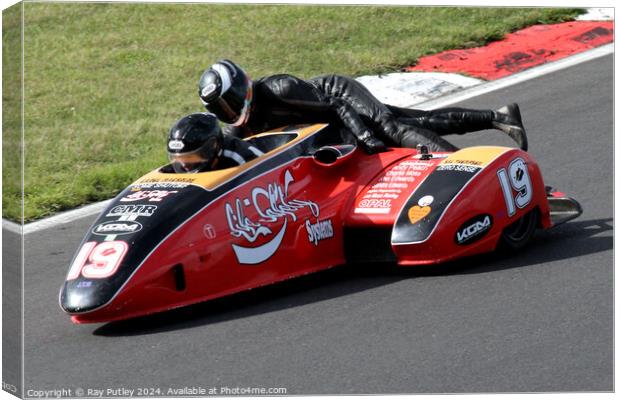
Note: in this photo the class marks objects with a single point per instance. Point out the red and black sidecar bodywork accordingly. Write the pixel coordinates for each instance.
(309, 203)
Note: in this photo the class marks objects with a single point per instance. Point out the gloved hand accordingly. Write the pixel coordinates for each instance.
(371, 144)
(353, 122)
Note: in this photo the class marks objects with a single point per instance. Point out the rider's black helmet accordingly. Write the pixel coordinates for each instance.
(226, 91)
(195, 143)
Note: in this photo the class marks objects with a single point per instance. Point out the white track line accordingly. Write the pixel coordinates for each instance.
(443, 101)
(58, 219)
(11, 226)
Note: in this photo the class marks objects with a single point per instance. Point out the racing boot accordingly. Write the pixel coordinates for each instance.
(508, 120)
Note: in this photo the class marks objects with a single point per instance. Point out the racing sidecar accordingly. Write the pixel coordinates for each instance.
(309, 203)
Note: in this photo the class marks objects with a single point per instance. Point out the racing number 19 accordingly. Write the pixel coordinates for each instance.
(517, 178)
(98, 261)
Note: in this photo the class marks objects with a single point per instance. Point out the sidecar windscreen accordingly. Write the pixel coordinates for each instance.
(266, 143)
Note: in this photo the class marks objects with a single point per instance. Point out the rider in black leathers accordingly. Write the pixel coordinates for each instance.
(274, 101)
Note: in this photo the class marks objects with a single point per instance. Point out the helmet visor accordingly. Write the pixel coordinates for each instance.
(192, 161)
(233, 105)
(225, 111)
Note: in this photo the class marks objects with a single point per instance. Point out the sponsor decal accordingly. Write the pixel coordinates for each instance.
(466, 162)
(207, 90)
(272, 205)
(457, 167)
(209, 231)
(151, 195)
(426, 201)
(167, 179)
(375, 205)
(384, 194)
(473, 229)
(176, 145)
(321, 230)
(416, 213)
(117, 228)
(162, 185)
(137, 210)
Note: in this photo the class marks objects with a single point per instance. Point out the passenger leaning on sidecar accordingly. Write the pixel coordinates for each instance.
(196, 144)
(250, 107)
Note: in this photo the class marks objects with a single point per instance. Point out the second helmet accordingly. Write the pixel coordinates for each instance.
(226, 91)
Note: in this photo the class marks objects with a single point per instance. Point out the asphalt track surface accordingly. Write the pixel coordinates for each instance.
(536, 321)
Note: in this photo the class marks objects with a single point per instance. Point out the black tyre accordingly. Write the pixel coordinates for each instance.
(518, 234)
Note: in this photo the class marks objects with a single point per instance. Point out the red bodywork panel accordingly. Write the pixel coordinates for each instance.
(291, 219)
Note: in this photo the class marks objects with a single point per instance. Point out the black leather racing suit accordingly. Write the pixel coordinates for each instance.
(281, 100)
(236, 152)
